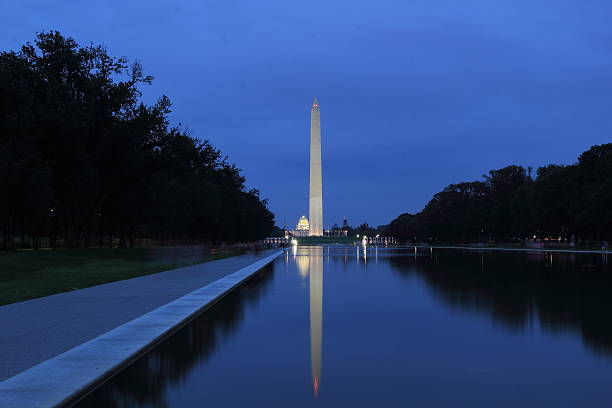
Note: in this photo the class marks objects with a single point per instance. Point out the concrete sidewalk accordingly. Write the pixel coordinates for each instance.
(38, 329)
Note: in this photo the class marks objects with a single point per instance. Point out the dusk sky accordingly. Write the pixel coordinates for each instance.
(414, 95)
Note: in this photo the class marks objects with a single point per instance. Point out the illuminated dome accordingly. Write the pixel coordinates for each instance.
(303, 224)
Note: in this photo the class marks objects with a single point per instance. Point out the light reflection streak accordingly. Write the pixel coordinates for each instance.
(316, 315)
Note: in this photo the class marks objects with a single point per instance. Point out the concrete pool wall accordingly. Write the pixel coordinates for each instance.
(66, 378)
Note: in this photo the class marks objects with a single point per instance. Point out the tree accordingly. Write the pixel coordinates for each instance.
(82, 157)
(403, 227)
(509, 204)
(365, 229)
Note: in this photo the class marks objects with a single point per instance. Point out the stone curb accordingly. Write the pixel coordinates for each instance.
(66, 377)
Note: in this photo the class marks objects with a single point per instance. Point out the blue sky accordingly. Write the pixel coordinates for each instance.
(414, 95)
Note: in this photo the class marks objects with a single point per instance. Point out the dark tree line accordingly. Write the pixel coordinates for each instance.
(83, 160)
(361, 230)
(571, 203)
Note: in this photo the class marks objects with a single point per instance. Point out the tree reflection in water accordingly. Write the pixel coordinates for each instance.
(565, 292)
(144, 382)
(517, 291)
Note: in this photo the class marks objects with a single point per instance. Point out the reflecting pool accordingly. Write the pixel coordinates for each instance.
(334, 326)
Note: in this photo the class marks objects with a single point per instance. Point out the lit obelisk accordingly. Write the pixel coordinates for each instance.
(315, 203)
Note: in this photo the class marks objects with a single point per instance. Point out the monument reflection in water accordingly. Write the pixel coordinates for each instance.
(311, 264)
(430, 328)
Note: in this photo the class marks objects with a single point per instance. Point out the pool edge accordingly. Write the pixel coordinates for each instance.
(65, 379)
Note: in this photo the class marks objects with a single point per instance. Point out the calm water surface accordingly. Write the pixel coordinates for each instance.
(331, 326)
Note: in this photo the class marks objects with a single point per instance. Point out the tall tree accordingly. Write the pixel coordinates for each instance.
(81, 157)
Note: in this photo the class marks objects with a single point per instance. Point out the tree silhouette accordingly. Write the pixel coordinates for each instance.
(82, 160)
(567, 202)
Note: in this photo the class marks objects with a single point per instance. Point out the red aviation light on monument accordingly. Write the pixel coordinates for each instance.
(315, 104)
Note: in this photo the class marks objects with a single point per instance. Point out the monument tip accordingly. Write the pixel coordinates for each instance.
(315, 102)
(315, 383)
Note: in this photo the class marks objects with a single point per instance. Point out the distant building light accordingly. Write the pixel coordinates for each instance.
(303, 224)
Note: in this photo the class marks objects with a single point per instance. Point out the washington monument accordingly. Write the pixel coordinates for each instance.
(315, 209)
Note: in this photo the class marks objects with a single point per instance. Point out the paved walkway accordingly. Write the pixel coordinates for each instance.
(38, 329)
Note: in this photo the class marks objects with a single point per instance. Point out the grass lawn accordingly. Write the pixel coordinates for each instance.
(30, 274)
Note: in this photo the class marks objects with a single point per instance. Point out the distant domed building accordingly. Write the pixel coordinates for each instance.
(302, 228)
